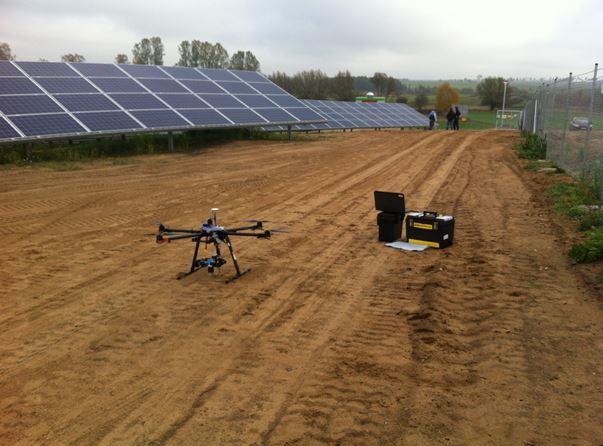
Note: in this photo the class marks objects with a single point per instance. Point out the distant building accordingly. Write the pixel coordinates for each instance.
(370, 97)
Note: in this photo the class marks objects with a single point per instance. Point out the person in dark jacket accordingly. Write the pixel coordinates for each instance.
(450, 119)
(457, 117)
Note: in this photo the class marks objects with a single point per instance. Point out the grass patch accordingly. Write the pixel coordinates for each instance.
(590, 250)
(531, 147)
(48, 154)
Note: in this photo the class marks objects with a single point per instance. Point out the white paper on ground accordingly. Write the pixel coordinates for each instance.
(407, 246)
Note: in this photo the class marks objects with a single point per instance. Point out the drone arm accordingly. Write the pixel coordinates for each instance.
(265, 234)
(162, 238)
(244, 228)
(181, 231)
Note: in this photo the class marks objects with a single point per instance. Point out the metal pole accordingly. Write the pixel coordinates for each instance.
(566, 119)
(170, 142)
(590, 118)
(502, 121)
(535, 114)
(288, 133)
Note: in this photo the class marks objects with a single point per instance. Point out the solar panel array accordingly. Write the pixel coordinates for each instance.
(53, 100)
(361, 115)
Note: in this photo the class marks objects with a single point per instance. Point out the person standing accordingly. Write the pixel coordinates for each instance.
(450, 119)
(457, 117)
(433, 118)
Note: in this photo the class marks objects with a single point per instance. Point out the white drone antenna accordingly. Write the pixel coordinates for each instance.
(214, 215)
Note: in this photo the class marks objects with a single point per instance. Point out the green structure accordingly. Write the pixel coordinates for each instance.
(370, 98)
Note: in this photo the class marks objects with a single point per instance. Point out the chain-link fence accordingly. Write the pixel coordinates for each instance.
(568, 113)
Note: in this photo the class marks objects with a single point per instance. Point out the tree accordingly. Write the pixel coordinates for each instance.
(402, 100)
(5, 52)
(420, 101)
(142, 52)
(446, 97)
(379, 81)
(121, 58)
(73, 58)
(218, 57)
(185, 54)
(148, 51)
(490, 90)
(158, 50)
(342, 87)
(244, 60)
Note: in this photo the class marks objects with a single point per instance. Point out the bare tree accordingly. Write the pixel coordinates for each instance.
(121, 58)
(342, 87)
(73, 57)
(5, 52)
(379, 81)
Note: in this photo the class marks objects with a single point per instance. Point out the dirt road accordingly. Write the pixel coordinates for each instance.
(331, 339)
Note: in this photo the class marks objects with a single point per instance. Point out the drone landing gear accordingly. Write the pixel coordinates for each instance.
(213, 262)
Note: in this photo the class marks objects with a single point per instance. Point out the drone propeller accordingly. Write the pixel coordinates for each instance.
(255, 221)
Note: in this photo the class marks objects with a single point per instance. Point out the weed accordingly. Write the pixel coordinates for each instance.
(590, 250)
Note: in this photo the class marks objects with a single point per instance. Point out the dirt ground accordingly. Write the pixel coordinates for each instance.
(331, 339)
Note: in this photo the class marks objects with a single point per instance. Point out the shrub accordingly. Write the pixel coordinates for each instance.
(531, 147)
(590, 250)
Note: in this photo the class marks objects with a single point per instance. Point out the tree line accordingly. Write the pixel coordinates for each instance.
(150, 51)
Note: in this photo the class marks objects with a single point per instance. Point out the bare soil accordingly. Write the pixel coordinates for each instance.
(332, 338)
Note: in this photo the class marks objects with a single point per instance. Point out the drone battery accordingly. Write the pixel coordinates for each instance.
(389, 202)
(390, 226)
(429, 228)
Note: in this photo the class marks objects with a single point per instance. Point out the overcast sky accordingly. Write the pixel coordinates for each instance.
(417, 39)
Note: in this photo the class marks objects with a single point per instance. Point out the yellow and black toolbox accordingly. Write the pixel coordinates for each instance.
(429, 228)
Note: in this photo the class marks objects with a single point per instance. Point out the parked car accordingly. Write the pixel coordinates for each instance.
(580, 124)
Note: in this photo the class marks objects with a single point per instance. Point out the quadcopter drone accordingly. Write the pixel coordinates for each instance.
(211, 233)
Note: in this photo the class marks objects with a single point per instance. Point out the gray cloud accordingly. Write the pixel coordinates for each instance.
(432, 39)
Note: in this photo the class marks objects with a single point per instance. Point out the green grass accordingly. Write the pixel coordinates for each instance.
(590, 250)
(479, 120)
(531, 147)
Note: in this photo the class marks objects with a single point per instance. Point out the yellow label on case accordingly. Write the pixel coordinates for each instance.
(422, 225)
(424, 242)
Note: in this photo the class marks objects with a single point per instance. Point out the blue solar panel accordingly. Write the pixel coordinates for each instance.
(17, 85)
(304, 114)
(111, 120)
(255, 100)
(266, 88)
(274, 114)
(285, 100)
(163, 86)
(6, 131)
(249, 76)
(184, 73)
(221, 100)
(160, 118)
(237, 87)
(47, 69)
(218, 75)
(20, 105)
(98, 70)
(99, 93)
(183, 100)
(204, 117)
(110, 85)
(86, 102)
(140, 101)
(148, 71)
(242, 116)
(203, 87)
(39, 125)
(7, 69)
(66, 85)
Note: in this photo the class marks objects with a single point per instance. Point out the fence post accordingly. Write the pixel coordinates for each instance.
(536, 105)
(591, 107)
(566, 119)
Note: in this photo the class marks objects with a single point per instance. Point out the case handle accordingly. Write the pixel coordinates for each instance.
(430, 213)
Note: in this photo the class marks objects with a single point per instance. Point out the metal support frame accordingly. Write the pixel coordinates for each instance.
(170, 142)
(288, 133)
(565, 120)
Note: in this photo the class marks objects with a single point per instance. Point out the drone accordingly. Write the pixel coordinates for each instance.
(211, 233)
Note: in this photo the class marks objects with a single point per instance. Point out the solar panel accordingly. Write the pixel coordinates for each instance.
(85, 102)
(49, 99)
(351, 115)
(54, 124)
(110, 120)
(21, 104)
(6, 131)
